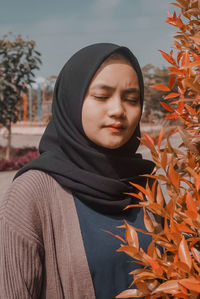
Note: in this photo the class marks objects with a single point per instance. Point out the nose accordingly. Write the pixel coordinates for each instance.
(116, 107)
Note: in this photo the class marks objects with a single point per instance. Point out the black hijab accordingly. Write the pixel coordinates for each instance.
(96, 175)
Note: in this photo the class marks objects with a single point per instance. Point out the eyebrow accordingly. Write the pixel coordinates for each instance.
(107, 87)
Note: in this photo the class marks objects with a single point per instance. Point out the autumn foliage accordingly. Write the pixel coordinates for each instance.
(171, 265)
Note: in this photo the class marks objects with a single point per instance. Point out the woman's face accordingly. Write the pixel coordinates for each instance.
(111, 108)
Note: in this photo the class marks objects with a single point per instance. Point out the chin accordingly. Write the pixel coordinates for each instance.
(112, 146)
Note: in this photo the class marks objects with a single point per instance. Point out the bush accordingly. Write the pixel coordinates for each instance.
(19, 157)
(174, 271)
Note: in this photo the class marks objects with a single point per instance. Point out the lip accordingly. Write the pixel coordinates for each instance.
(115, 127)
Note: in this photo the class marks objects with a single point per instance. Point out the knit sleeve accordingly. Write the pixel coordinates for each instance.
(21, 250)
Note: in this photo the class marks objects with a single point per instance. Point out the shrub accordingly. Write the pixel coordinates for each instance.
(174, 271)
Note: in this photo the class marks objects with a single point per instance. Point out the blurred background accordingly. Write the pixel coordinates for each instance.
(58, 29)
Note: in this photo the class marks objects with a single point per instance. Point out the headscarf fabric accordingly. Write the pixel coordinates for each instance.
(96, 175)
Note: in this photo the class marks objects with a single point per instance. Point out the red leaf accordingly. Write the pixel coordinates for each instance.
(176, 71)
(160, 87)
(172, 116)
(168, 57)
(185, 59)
(167, 107)
(184, 253)
(171, 82)
(181, 106)
(172, 95)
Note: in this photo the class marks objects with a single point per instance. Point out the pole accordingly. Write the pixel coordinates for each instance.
(39, 103)
(30, 104)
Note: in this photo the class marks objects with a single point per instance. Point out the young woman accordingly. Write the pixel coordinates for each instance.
(52, 219)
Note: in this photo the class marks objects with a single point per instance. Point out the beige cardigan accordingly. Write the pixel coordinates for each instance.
(41, 248)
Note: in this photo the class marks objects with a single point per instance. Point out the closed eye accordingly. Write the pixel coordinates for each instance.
(132, 101)
(100, 97)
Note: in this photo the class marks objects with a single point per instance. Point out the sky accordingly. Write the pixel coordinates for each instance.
(62, 27)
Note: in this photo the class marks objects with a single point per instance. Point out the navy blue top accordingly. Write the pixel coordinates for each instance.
(109, 269)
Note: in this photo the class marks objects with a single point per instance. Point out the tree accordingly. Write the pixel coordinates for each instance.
(154, 75)
(174, 271)
(18, 60)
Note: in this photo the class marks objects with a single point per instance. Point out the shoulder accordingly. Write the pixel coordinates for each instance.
(22, 207)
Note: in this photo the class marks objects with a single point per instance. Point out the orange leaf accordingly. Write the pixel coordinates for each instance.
(130, 250)
(196, 38)
(190, 109)
(160, 138)
(160, 87)
(170, 287)
(157, 269)
(151, 249)
(164, 159)
(149, 145)
(139, 195)
(166, 230)
(176, 4)
(149, 138)
(174, 176)
(183, 3)
(184, 253)
(191, 206)
(192, 64)
(183, 290)
(148, 222)
(197, 181)
(168, 57)
(172, 95)
(159, 196)
(184, 228)
(142, 189)
(116, 236)
(130, 294)
(191, 284)
(196, 254)
(131, 235)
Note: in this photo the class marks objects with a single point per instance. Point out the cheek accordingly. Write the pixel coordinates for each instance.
(134, 117)
(89, 118)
